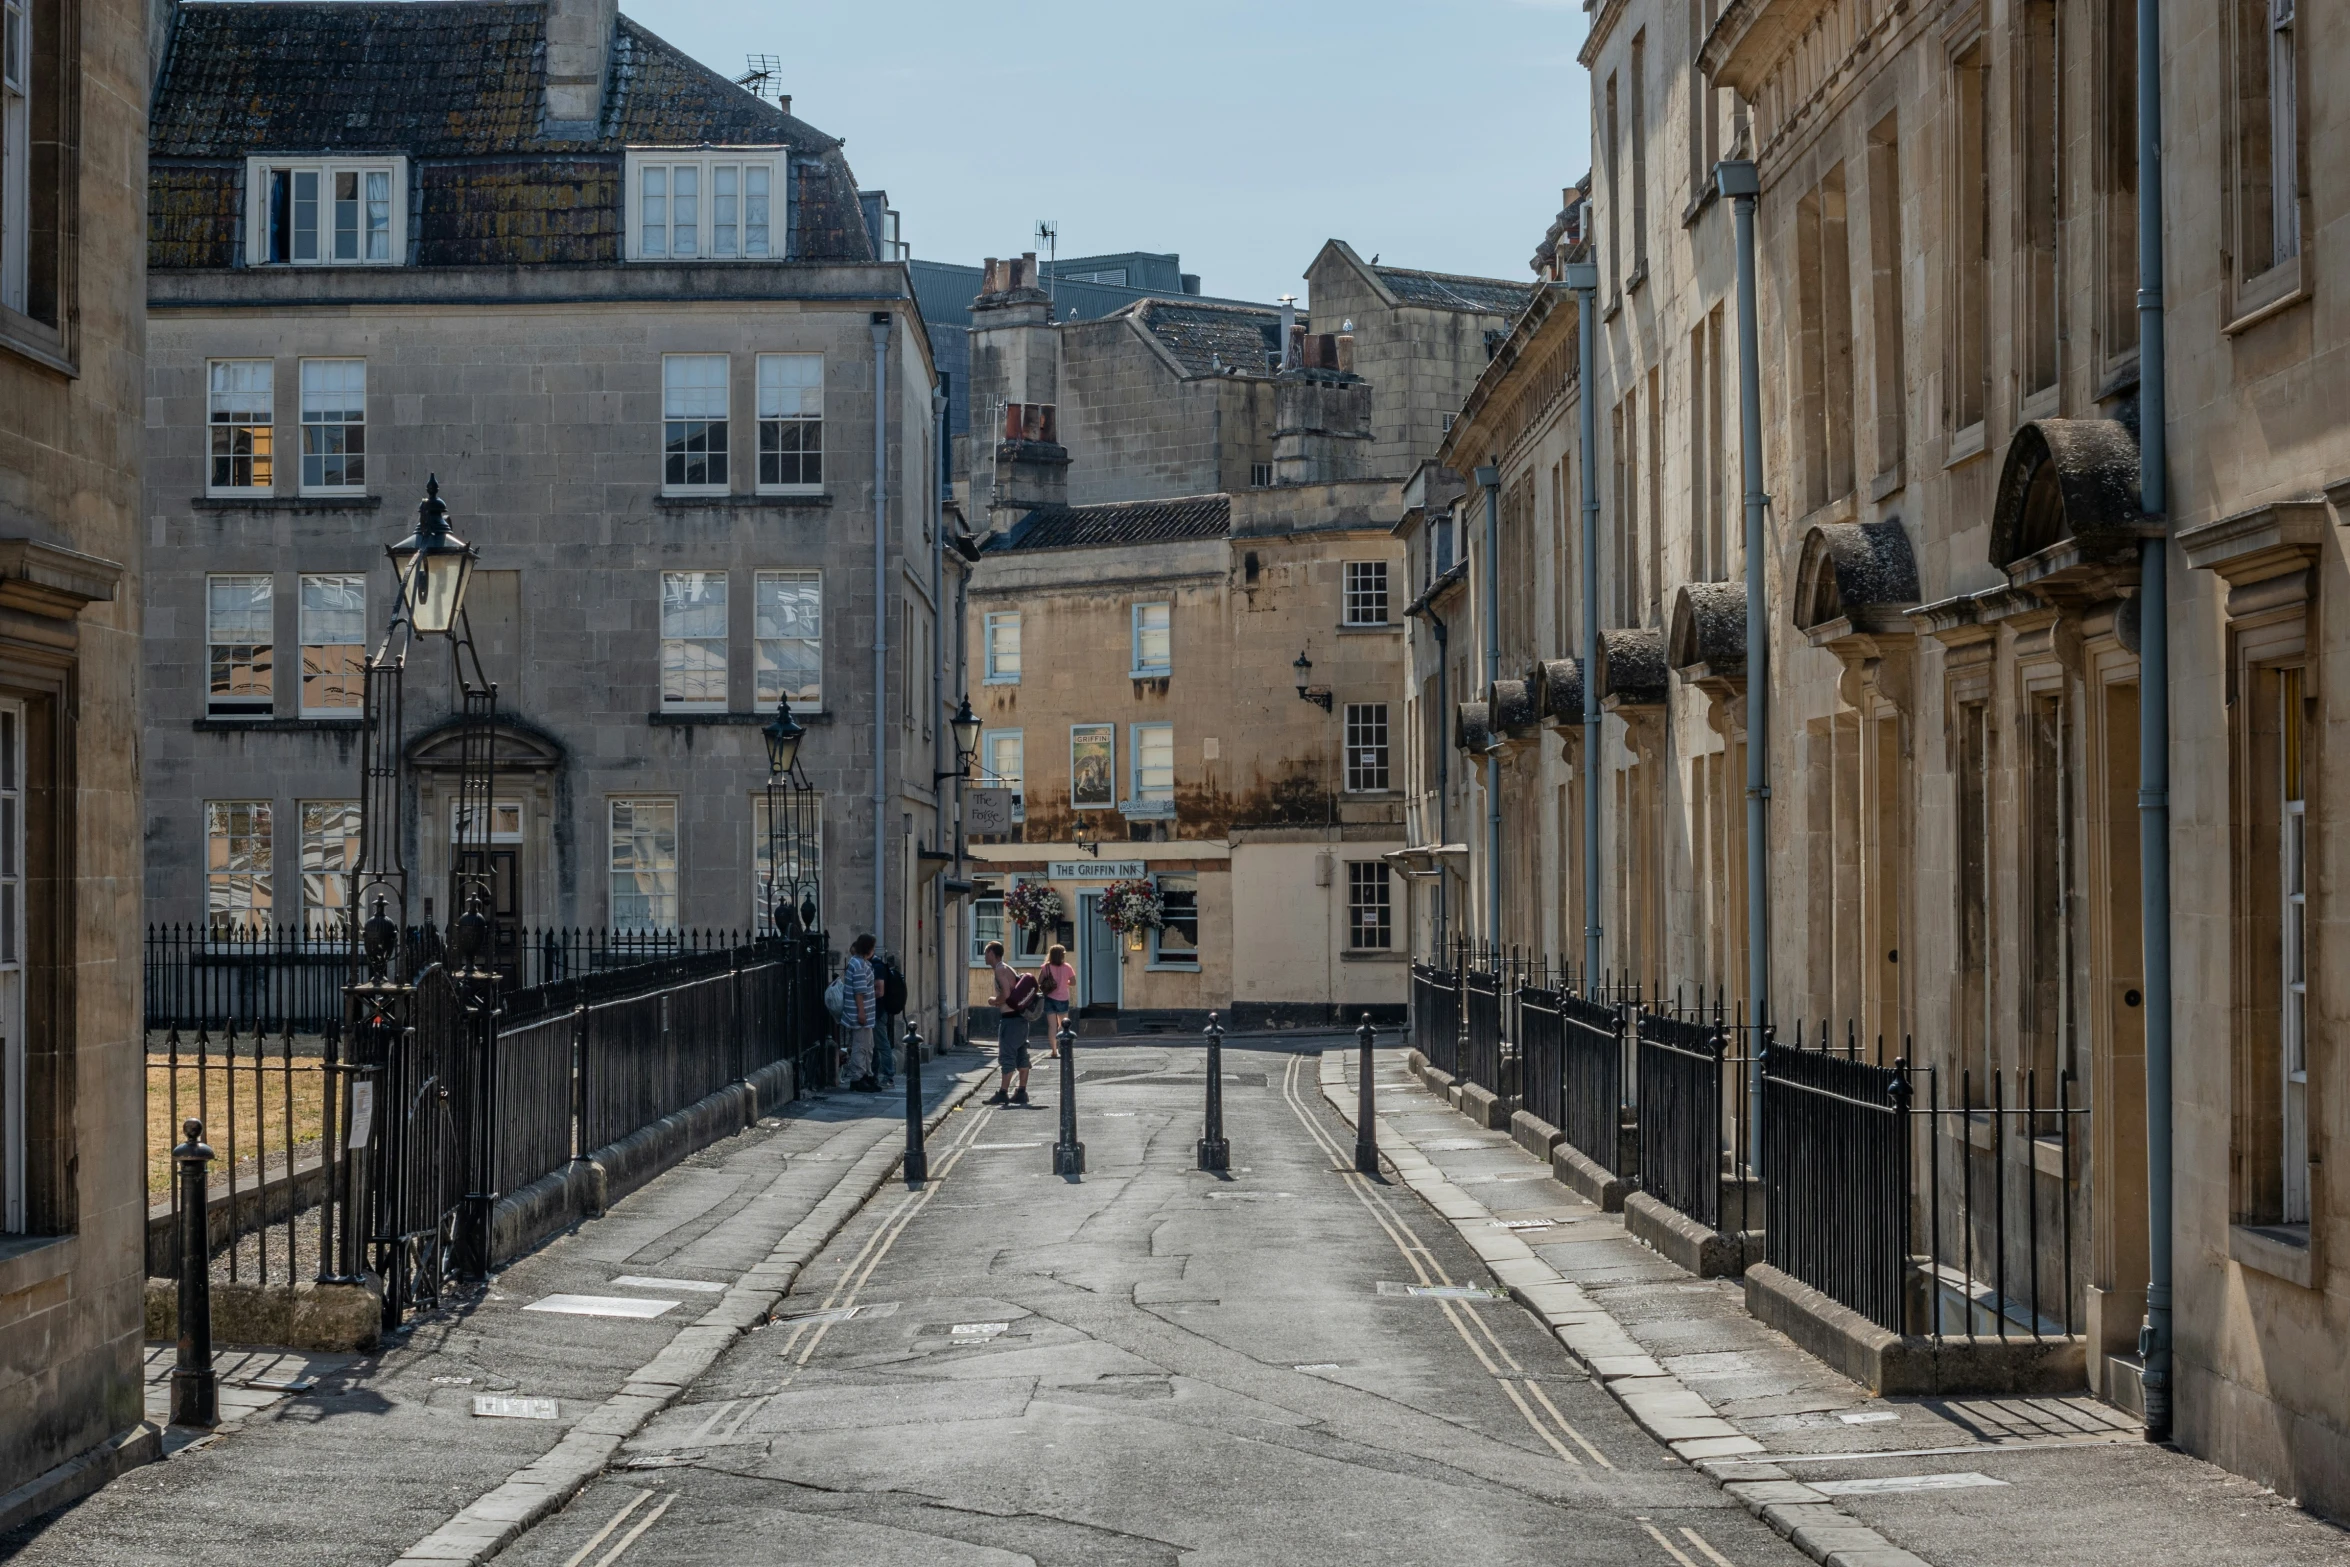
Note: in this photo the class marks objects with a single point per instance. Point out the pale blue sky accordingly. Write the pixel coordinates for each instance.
(1241, 135)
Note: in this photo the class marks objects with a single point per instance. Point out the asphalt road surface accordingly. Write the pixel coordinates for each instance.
(1149, 1365)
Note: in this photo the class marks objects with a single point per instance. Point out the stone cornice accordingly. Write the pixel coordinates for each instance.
(49, 580)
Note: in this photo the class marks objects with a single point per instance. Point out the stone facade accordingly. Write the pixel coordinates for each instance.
(72, 1078)
(1950, 404)
(542, 384)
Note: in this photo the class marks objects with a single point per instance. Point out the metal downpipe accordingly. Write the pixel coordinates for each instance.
(880, 627)
(1738, 181)
(1489, 480)
(1583, 277)
(2154, 1337)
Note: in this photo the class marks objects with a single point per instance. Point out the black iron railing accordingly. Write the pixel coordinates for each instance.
(1542, 1054)
(1592, 1076)
(1682, 1130)
(1481, 1052)
(1436, 1015)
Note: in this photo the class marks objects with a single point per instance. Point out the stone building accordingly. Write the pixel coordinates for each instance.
(634, 319)
(73, 96)
(1950, 395)
(1185, 501)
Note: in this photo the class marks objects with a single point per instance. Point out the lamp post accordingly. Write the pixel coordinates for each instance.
(432, 569)
(790, 897)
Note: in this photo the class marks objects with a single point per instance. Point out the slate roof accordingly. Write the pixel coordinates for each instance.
(1447, 291)
(1208, 339)
(1122, 522)
(447, 80)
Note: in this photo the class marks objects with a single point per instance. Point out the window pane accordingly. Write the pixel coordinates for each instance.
(334, 423)
(791, 409)
(1366, 745)
(1177, 939)
(379, 217)
(725, 196)
(694, 394)
(693, 638)
(1369, 920)
(346, 216)
(240, 398)
(685, 209)
(1153, 644)
(334, 628)
(1154, 762)
(330, 847)
(236, 866)
(654, 232)
(238, 633)
(789, 630)
(305, 214)
(755, 178)
(644, 864)
(1003, 647)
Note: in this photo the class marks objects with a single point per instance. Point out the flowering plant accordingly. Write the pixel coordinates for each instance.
(1132, 905)
(1033, 904)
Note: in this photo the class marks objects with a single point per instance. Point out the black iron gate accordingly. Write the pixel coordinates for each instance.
(426, 1099)
(1681, 1113)
(1836, 1178)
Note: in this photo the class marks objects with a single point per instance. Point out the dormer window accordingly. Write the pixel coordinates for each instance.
(315, 212)
(709, 205)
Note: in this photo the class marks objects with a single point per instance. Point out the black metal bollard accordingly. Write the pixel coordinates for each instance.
(1366, 1129)
(1215, 1154)
(1068, 1153)
(917, 1159)
(195, 1395)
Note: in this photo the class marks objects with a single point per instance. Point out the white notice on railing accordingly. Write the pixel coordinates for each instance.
(362, 1113)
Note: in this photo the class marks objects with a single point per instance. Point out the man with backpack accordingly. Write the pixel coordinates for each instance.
(860, 1013)
(1016, 1001)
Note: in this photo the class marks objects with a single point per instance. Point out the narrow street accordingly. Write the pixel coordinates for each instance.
(1145, 1366)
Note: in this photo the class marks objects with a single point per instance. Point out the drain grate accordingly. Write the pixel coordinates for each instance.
(1443, 1291)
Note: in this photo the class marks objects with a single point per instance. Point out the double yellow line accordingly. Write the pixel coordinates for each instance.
(1549, 1423)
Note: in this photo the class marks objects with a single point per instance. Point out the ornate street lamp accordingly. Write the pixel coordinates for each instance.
(433, 567)
(965, 728)
(791, 828)
(1318, 695)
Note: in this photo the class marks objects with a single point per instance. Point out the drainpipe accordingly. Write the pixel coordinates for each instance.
(1489, 480)
(880, 626)
(1737, 180)
(944, 741)
(1583, 278)
(1444, 711)
(2154, 1337)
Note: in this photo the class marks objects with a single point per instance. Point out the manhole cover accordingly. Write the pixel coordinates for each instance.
(494, 1407)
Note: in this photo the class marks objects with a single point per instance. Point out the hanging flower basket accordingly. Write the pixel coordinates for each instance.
(1033, 905)
(1130, 907)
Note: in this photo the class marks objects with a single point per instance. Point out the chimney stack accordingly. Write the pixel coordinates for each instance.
(579, 43)
(1288, 331)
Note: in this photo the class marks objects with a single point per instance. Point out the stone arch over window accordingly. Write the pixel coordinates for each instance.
(1855, 577)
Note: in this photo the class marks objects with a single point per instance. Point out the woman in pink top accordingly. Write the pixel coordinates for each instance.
(1057, 981)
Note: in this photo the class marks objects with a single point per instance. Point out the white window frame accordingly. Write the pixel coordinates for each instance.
(993, 777)
(264, 652)
(658, 805)
(1355, 905)
(1138, 629)
(1134, 761)
(251, 916)
(773, 419)
(1356, 591)
(2293, 939)
(353, 456)
(260, 170)
(708, 221)
(252, 411)
(13, 1054)
(316, 635)
(679, 649)
(997, 675)
(1359, 716)
(16, 162)
(718, 455)
(982, 932)
(764, 692)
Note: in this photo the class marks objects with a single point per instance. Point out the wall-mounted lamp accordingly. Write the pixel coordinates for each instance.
(1320, 695)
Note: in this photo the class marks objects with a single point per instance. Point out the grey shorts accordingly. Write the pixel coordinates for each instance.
(1011, 1042)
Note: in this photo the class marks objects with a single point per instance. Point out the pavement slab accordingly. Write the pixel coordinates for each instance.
(2075, 1484)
